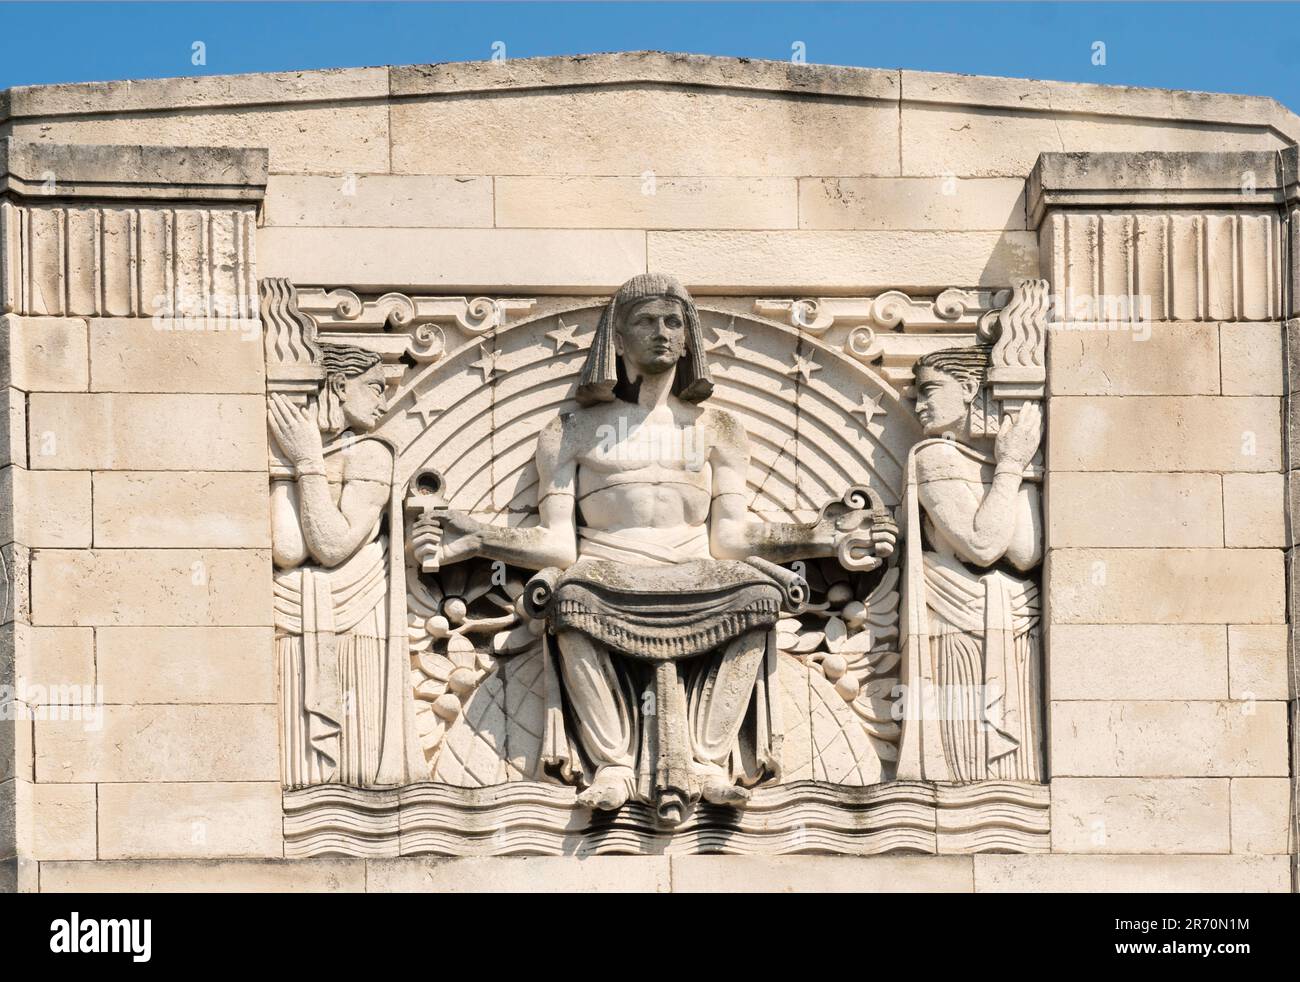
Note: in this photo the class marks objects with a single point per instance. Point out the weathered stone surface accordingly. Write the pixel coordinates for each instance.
(58, 821)
(1139, 661)
(118, 431)
(593, 874)
(151, 586)
(200, 354)
(336, 874)
(192, 820)
(44, 354)
(1169, 739)
(1143, 816)
(928, 203)
(1254, 510)
(13, 427)
(1143, 359)
(1253, 359)
(1257, 661)
(185, 664)
(458, 259)
(159, 743)
(1142, 510)
(1132, 874)
(1203, 433)
(1165, 586)
(821, 874)
(48, 509)
(1261, 815)
(381, 201)
(57, 664)
(650, 201)
(143, 509)
(839, 260)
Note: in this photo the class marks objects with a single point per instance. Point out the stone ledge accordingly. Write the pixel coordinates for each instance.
(1160, 179)
(106, 171)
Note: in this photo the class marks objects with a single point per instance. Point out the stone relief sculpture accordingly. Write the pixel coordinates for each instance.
(559, 576)
(660, 593)
(975, 538)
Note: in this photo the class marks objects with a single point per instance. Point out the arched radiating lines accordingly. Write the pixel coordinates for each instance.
(807, 440)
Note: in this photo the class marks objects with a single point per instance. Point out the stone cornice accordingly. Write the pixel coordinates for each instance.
(48, 171)
(1165, 180)
(643, 68)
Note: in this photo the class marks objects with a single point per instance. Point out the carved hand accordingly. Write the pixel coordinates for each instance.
(1018, 438)
(294, 430)
(447, 536)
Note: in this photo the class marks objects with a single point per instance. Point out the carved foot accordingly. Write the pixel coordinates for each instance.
(609, 791)
(718, 790)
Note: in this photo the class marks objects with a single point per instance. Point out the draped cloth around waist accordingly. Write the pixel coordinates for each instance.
(661, 601)
(996, 608)
(320, 605)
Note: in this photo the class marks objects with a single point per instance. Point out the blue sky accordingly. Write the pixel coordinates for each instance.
(1251, 48)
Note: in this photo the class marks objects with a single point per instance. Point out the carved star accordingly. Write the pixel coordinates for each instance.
(563, 335)
(804, 366)
(426, 406)
(725, 338)
(870, 408)
(488, 363)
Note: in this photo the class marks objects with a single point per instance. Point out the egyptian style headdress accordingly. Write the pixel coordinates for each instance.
(601, 373)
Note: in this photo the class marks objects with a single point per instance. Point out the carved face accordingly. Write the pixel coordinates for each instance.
(943, 401)
(653, 335)
(361, 398)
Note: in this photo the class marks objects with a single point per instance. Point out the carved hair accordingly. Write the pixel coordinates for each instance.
(603, 376)
(964, 364)
(343, 360)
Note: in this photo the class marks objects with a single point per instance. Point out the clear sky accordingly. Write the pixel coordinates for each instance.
(1251, 48)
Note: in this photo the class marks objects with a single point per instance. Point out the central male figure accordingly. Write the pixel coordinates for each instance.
(659, 592)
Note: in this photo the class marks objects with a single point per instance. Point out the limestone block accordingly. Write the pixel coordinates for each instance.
(926, 203)
(1171, 265)
(1138, 661)
(1166, 586)
(186, 664)
(44, 354)
(9, 819)
(165, 354)
(160, 743)
(194, 820)
(678, 131)
(1253, 359)
(379, 200)
(840, 260)
(118, 431)
(1131, 874)
(651, 201)
(1141, 510)
(49, 509)
(332, 874)
(1137, 815)
(57, 821)
(107, 261)
(313, 138)
(1148, 359)
(1168, 739)
(821, 874)
(1261, 815)
(152, 586)
(13, 427)
(56, 664)
(1257, 665)
(140, 509)
(460, 259)
(15, 584)
(1195, 433)
(524, 874)
(944, 139)
(1254, 510)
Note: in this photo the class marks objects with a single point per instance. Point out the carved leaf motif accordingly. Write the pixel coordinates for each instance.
(824, 740)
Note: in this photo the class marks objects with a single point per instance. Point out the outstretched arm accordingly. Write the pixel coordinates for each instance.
(456, 536)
